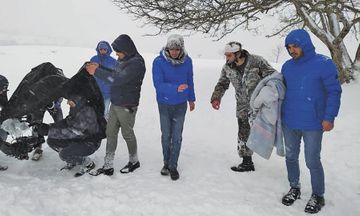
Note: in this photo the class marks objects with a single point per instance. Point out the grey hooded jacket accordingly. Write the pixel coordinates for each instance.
(265, 121)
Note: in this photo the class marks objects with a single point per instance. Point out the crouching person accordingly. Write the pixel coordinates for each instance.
(75, 137)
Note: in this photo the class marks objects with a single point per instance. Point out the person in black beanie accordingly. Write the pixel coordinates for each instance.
(126, 80)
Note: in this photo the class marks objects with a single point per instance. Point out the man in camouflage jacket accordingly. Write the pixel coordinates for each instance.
(244, 71)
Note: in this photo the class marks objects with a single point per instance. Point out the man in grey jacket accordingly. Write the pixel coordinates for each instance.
(244, 71)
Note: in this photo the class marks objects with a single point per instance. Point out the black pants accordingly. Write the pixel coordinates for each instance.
(74, 152)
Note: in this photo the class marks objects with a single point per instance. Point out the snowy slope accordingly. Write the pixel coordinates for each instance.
(206, 186)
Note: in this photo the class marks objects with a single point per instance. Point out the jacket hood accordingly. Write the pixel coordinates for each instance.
(102, 45)
(302, 39)
(124, 44)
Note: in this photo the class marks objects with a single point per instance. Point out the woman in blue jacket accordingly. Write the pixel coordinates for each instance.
(104, 59)
(173, 80)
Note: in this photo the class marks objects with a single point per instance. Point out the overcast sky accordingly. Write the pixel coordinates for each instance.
(84, 22)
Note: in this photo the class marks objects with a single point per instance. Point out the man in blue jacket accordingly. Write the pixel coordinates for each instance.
(173, 80)
(126, 80)
(311, 103)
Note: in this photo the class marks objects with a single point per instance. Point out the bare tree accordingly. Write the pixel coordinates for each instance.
(329, 20)
(277, 52)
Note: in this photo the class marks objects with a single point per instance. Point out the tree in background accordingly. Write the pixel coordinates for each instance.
(329, 20)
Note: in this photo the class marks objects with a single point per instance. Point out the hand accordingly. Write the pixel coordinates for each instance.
(182, 87)
(42, 129)
(327, 125)
(91, 68)
(215, 104)
(191, 105)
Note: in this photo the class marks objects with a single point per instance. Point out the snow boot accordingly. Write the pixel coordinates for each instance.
(289, 198)
(85, 169)
(246, 166)
(314, 204)
(165, 171)
(37, 154)
(130, 167)
(102, 170)
(174, 174)
(68, 166)
(3, 168)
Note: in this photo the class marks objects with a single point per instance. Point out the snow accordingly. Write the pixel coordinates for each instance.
(37, 31)
(206, 186)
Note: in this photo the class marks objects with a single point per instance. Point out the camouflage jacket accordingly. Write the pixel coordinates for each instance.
(244, 83)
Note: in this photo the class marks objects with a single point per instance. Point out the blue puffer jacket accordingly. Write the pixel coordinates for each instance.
(313, 89)
(168, 76)
(106, 61)
(127, 76)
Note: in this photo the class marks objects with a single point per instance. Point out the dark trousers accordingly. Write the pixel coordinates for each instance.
(74, 152)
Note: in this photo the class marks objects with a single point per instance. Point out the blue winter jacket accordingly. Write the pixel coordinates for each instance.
(168, 76)
(313, 89)
(127, 76)
(106, 61)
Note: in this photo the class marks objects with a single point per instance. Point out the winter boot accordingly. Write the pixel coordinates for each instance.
(85, 169)
(37, 154)
(314, 204)
(68, 166)
(3, 168)
(102, 170)
(174, 174)
(289, 198)
(246, 166)
(165, 171)
(130, 167)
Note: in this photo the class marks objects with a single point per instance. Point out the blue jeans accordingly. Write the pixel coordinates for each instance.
(107, 102)
(172, 119)
(312, 146)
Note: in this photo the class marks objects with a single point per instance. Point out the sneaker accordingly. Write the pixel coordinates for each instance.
(291, 196)
(244, 167)
(174, 174)
(85, 169)
(130, 167)
(102, 170)
(37, 154)
(68, 166)
(314, 204)
(165, 171)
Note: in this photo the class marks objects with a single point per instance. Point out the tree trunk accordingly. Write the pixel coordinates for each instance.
(356, 64)
(343, 62)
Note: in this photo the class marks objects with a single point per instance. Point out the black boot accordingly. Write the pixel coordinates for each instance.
(130, 167)
(165, 171)
(289, 198)
(174, 174)
(314, 204)
(246, 166)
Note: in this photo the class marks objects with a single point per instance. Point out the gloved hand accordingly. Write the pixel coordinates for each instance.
(42, 129)
(215, 104)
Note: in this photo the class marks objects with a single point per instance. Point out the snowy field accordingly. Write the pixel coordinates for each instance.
(206, 186)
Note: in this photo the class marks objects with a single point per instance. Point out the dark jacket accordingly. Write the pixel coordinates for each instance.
(105, 61)
(80, 124)
(313, 89)
(128, 74)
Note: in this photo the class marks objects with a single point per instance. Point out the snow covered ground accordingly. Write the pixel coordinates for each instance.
(206, 186)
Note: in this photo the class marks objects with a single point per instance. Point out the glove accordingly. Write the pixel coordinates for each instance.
(42, 129)
(215, 104)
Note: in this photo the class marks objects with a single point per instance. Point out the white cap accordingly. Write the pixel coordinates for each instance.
(232, 47)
